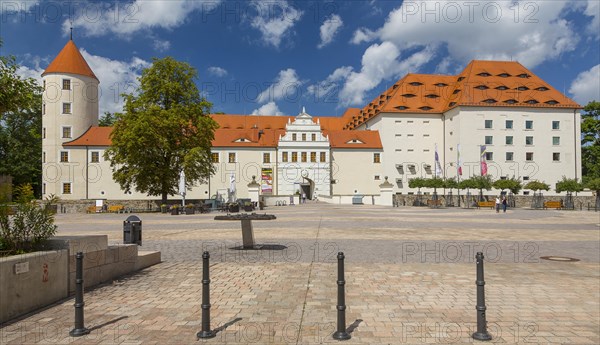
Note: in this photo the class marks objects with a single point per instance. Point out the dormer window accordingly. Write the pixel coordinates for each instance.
(415, 83)
(551, 102)
(242, 140)
(504, 75)
(431, 95)
(481, 87)
(452, 104)
(532, 101)
(501, 87)
(354, 141)
(523, 75)
(510, 101)
(402, 107)
(456, 91)
(461, 78)
(542, 88)
(409, 95)
(484, 74)
(489, 101)
(441, 84)
(522, 88)
(425, 108)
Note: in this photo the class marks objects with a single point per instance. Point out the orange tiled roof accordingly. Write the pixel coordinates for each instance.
(481, 83)
(94, 136)
(70, 60)
(354, 139)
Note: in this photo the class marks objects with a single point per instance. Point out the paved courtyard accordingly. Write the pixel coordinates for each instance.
(410, 279)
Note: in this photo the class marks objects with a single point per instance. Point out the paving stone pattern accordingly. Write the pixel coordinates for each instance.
(410, 279)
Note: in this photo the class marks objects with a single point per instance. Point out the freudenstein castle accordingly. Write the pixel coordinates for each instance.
(495, 112)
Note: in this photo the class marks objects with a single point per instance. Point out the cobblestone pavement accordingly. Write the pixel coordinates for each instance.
(410, 279)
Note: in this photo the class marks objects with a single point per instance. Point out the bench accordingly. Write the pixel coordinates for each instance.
(115, 208)
(553, 204)
(92, 209)
(432, 203)
(490, 204)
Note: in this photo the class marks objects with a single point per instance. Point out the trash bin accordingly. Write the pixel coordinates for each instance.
(132, 230)
(357, 200)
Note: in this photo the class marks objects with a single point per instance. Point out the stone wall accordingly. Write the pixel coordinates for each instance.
(521, 201)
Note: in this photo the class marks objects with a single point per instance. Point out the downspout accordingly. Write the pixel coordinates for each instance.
(87, 179)
(575, 140)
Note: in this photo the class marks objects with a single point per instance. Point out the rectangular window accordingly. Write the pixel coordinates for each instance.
(529, 124)
(294, 157)
(489, 140)
(266, 157)
(95, 158)
(555, 140)
(43, 108)
(525, 178)
(64, 156)
(323, 156)
(66, 84)
(66, 108)
(294, 137)
(303, 136)
(509, 156)
(528, 140)
(313, 157)
(556, 156)
(44, 133)
(66, 132)
(231, 157)
(66, 189)
(509, 124)
(44, 184)
(489, 124)
(529, 156)
(284, 157)
(43, 157)
(214, 157)
(377, 158)
(303, 157)
(313, 137)
(377, 178)
(555, 124)
(489, 156)
(509, 140)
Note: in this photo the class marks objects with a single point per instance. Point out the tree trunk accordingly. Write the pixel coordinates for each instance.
(164, 198)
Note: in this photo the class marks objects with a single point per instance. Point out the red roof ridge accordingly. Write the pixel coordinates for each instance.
(70, 60)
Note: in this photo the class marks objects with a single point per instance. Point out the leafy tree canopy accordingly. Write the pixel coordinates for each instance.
(482, 182)
(590, 142)
(594, 184)
(108, 120)
(450, 183)
(536, 185)
(568, 185)
(164, 129)
(512, 184)
(416, 182)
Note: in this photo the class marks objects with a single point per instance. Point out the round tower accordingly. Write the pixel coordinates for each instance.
(69, 109)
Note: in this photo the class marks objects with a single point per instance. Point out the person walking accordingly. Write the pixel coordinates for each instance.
(497, 204)
(504, 204)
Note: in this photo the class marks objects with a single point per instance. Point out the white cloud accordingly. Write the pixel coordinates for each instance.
(586, 87)
(27, 72)
(329, 28)
(330, 86)
(125, 19)
(161, 46)
(217, 71)
(274, 20)
(362, 35)
(531, 32)
(593, 10)
(116, 77)
(286, 86)
(268, 109)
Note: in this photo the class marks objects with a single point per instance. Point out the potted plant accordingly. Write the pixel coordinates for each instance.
(189, 209)
(248, 207)
(164, 208)
(174, 210)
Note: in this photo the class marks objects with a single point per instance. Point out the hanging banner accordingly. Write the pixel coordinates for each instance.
(266, 184)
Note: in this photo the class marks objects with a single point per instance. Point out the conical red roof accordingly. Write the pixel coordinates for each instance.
(70, 60)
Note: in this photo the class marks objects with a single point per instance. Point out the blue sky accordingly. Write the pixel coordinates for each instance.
(273, 57)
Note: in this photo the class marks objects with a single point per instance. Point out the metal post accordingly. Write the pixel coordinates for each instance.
(481, 333)
(79, 329)
(205, 332)
(341, 333)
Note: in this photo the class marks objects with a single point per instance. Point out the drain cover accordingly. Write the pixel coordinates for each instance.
(559, 258)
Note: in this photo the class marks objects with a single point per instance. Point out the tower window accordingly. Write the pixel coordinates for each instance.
(43, 157)
(66, 132)
(66, 108)
(95, 157)
(66, 84)
(66, 188)
(64, 156)
(44, 133)
(43, 108)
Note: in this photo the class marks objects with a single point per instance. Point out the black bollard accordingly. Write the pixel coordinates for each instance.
(206, 331)
(341, 333)
(79, 329)
(482, 333)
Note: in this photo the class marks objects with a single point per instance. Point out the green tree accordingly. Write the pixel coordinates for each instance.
(568, 185)
(20, 125)
(450, 183)
(594, 184)
(590, 142)
(417, 182)
(537, 186)
(164, 129)
(512, 184)
(434, 182)
(108, 120)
